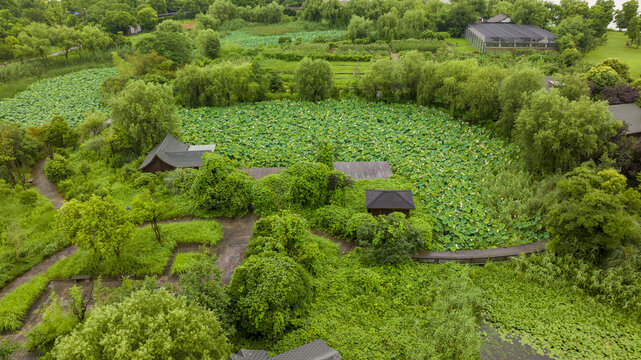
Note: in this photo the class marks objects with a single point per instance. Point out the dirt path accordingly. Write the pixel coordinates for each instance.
(41, 268)
(44, 185)
(35, 58)
(231, 250)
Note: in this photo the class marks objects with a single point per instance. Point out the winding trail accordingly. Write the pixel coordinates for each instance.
(44, 185)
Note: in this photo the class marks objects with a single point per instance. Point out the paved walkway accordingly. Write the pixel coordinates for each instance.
(44, 185)
(480, 256)
(231, 250)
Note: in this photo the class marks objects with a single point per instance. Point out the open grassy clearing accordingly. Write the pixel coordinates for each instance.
(31, 218)
(446, 159)
(460, 45)
(615, 48)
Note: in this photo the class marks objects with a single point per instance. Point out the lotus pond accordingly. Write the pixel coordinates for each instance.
(445, 158)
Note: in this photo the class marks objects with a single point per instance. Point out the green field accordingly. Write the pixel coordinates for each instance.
(615, 48)
(71, 96)
(445, 158)
(460, 45)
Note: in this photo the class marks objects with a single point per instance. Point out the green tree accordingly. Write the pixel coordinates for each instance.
(151, 325)
(18, 151)
(333, 12)
(201, 284)
(116, 21)
(515, 91)
(325, 153)
(208, 43)
(220, 186)
(556, 134)
(530, 12)
(224, 10)
(312, 10)
(92, 39)
(456, 17)
(175, 46)
(314, 79)
(35, 41)
(93, 124)
(58, 134)
(572, 86)
(66, 39)
(146, 111)
(413, 23)
(360, 28)
(621, 68)
(480, 94)
(601, 14)
(602, 76)
(171, 26)
(58, 168)
(148, 18)
(629, 10)
(98, 224)
(592, 213)
(268, 292)
(204, 22)
(146, 207)
(159, 5)
(388, 26)
(633, 32)
(575, 32)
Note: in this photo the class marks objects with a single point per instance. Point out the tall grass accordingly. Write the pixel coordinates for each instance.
(14, 306)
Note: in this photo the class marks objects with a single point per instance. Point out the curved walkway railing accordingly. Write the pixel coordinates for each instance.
(480, 256)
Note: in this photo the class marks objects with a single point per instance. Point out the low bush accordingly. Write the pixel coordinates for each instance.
(183, 262)
(56, 321)
(393, 239)
(58, 168)
(15, 305)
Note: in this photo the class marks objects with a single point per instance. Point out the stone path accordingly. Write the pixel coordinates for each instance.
(231, 250)
(41, 268)
(44, 185)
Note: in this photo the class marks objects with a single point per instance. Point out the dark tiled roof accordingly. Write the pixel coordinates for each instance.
(315, 350)
(629, 114)
(389, 199)
(501, 17)
(250, 355)
(507, 32)
(176, 154)
(357, 170)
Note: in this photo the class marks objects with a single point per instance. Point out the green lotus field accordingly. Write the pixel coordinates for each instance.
(445, 158)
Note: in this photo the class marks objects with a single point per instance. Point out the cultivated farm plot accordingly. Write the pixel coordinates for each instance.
(71, 96)
(247, 40)
(444, 157)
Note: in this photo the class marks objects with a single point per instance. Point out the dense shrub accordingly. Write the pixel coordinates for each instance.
(208, 43)
(218, 85)
(555, 133)
(218, 186)
(58, 168)
(56, 322)
(593, 214)
(287, 234)
(620, 94)
(308, 184)
(314, 79)
(268, 293)
(185, 331)
(394, 239)
(175, 46)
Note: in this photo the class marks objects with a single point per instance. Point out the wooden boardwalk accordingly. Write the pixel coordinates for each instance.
(357, 170)
(480, 256)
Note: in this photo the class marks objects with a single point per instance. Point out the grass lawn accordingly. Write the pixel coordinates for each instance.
(615, 48)
(460, 45)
